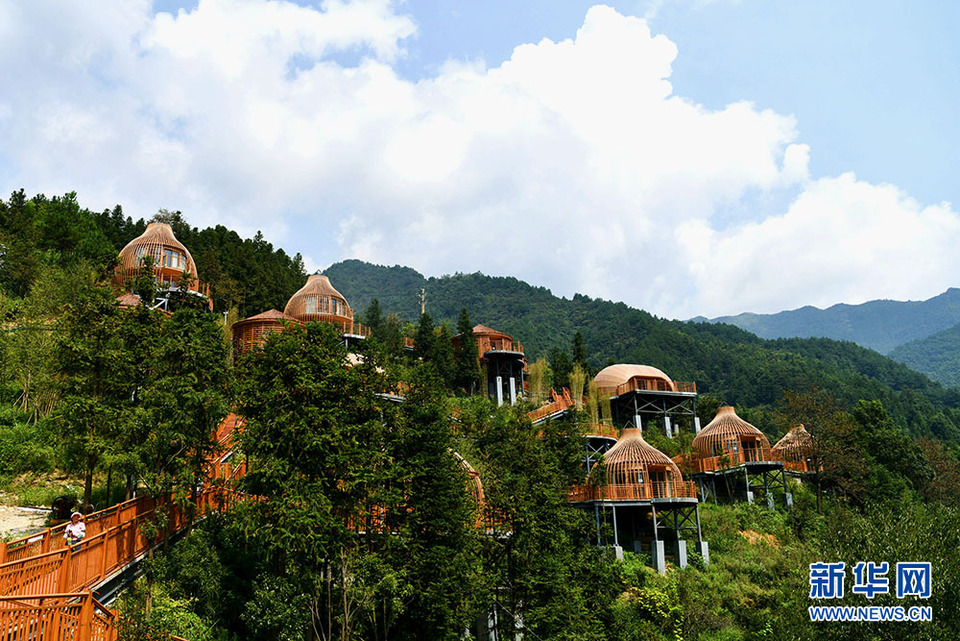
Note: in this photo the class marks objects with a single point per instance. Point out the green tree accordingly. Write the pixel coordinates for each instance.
(543, 574)
(373, 319)
(562, 366)
(19, 264)
(465, 356)
(182, 404)
(97, 369)
(365, 513)
(579, 353)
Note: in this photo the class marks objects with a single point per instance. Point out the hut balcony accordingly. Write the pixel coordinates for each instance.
(650, 491)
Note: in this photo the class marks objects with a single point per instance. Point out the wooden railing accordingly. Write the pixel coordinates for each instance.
(41, 577)
(560, 403)
(113, 541)
(56, 616)
(655, 385)
(356, 329)
(802, 466)
(731, 459)
(485, 345)
(635, 492)
(599, 429)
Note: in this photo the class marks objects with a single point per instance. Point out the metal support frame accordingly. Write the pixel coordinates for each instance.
(504, 377)
(594, 448)
(630, 406)
(669, 524)
(772, 478)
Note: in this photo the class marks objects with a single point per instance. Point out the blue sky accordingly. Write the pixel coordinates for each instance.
(687, 157)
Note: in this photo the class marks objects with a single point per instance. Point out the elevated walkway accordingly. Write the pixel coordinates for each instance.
(47, 587)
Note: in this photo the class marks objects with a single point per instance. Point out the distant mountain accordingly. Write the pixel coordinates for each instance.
(882, 325)
(726, 362)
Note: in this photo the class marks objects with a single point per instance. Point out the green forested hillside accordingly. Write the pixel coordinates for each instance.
(725, 362)
(938, 356)
(99, 401)
(41, 232)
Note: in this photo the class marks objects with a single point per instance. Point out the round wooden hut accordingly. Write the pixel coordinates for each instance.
(638, 471)
(729, 436)
(318, 300)
(251, 332)
(170, 260)
(614, 380)
(795, 449)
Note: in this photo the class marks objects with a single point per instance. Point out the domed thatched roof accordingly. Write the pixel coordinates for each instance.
(723, 431)
(158, 242)
(632, 454)
(319, 301)
(251, 332)
(613, 376)
(794, 445)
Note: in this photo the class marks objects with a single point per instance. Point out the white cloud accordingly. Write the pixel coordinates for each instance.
(572, 165)
(840, 240)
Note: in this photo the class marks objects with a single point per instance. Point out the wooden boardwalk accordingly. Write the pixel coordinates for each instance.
(45, 584)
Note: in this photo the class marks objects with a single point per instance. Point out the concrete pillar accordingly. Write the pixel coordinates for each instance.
(638, 422)
(499, 391)
(769, 500)
(659, 557)
(696, 424)
(680, 554)
(703, 549)
(637, 547)
(513, 390)
(618, 552)
(749, 497)
(666, 427)
(789, 499)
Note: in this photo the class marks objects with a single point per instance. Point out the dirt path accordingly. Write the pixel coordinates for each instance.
(16, 522)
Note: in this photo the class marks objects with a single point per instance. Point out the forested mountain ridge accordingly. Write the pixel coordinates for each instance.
(250, 276)
(881, 325)
(724, 361)
(129, 399)
(937, 356)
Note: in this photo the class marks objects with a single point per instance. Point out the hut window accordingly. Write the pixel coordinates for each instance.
(639, 477)
(311, 304)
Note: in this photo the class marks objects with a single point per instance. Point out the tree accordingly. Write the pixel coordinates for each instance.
(579, 353)
(836, 453)
(544, 575)
(364, 512)
(19, 264)
(373, 319)
(97, 370)
(539, 380)
(178, 407)
(465, 356)
(425, 338)
(561, 366)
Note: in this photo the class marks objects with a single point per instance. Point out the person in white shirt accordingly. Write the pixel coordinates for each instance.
(75, 530)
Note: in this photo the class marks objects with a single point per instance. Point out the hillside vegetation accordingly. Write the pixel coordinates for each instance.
(364, 519)
(938, 356)
(727, 363)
